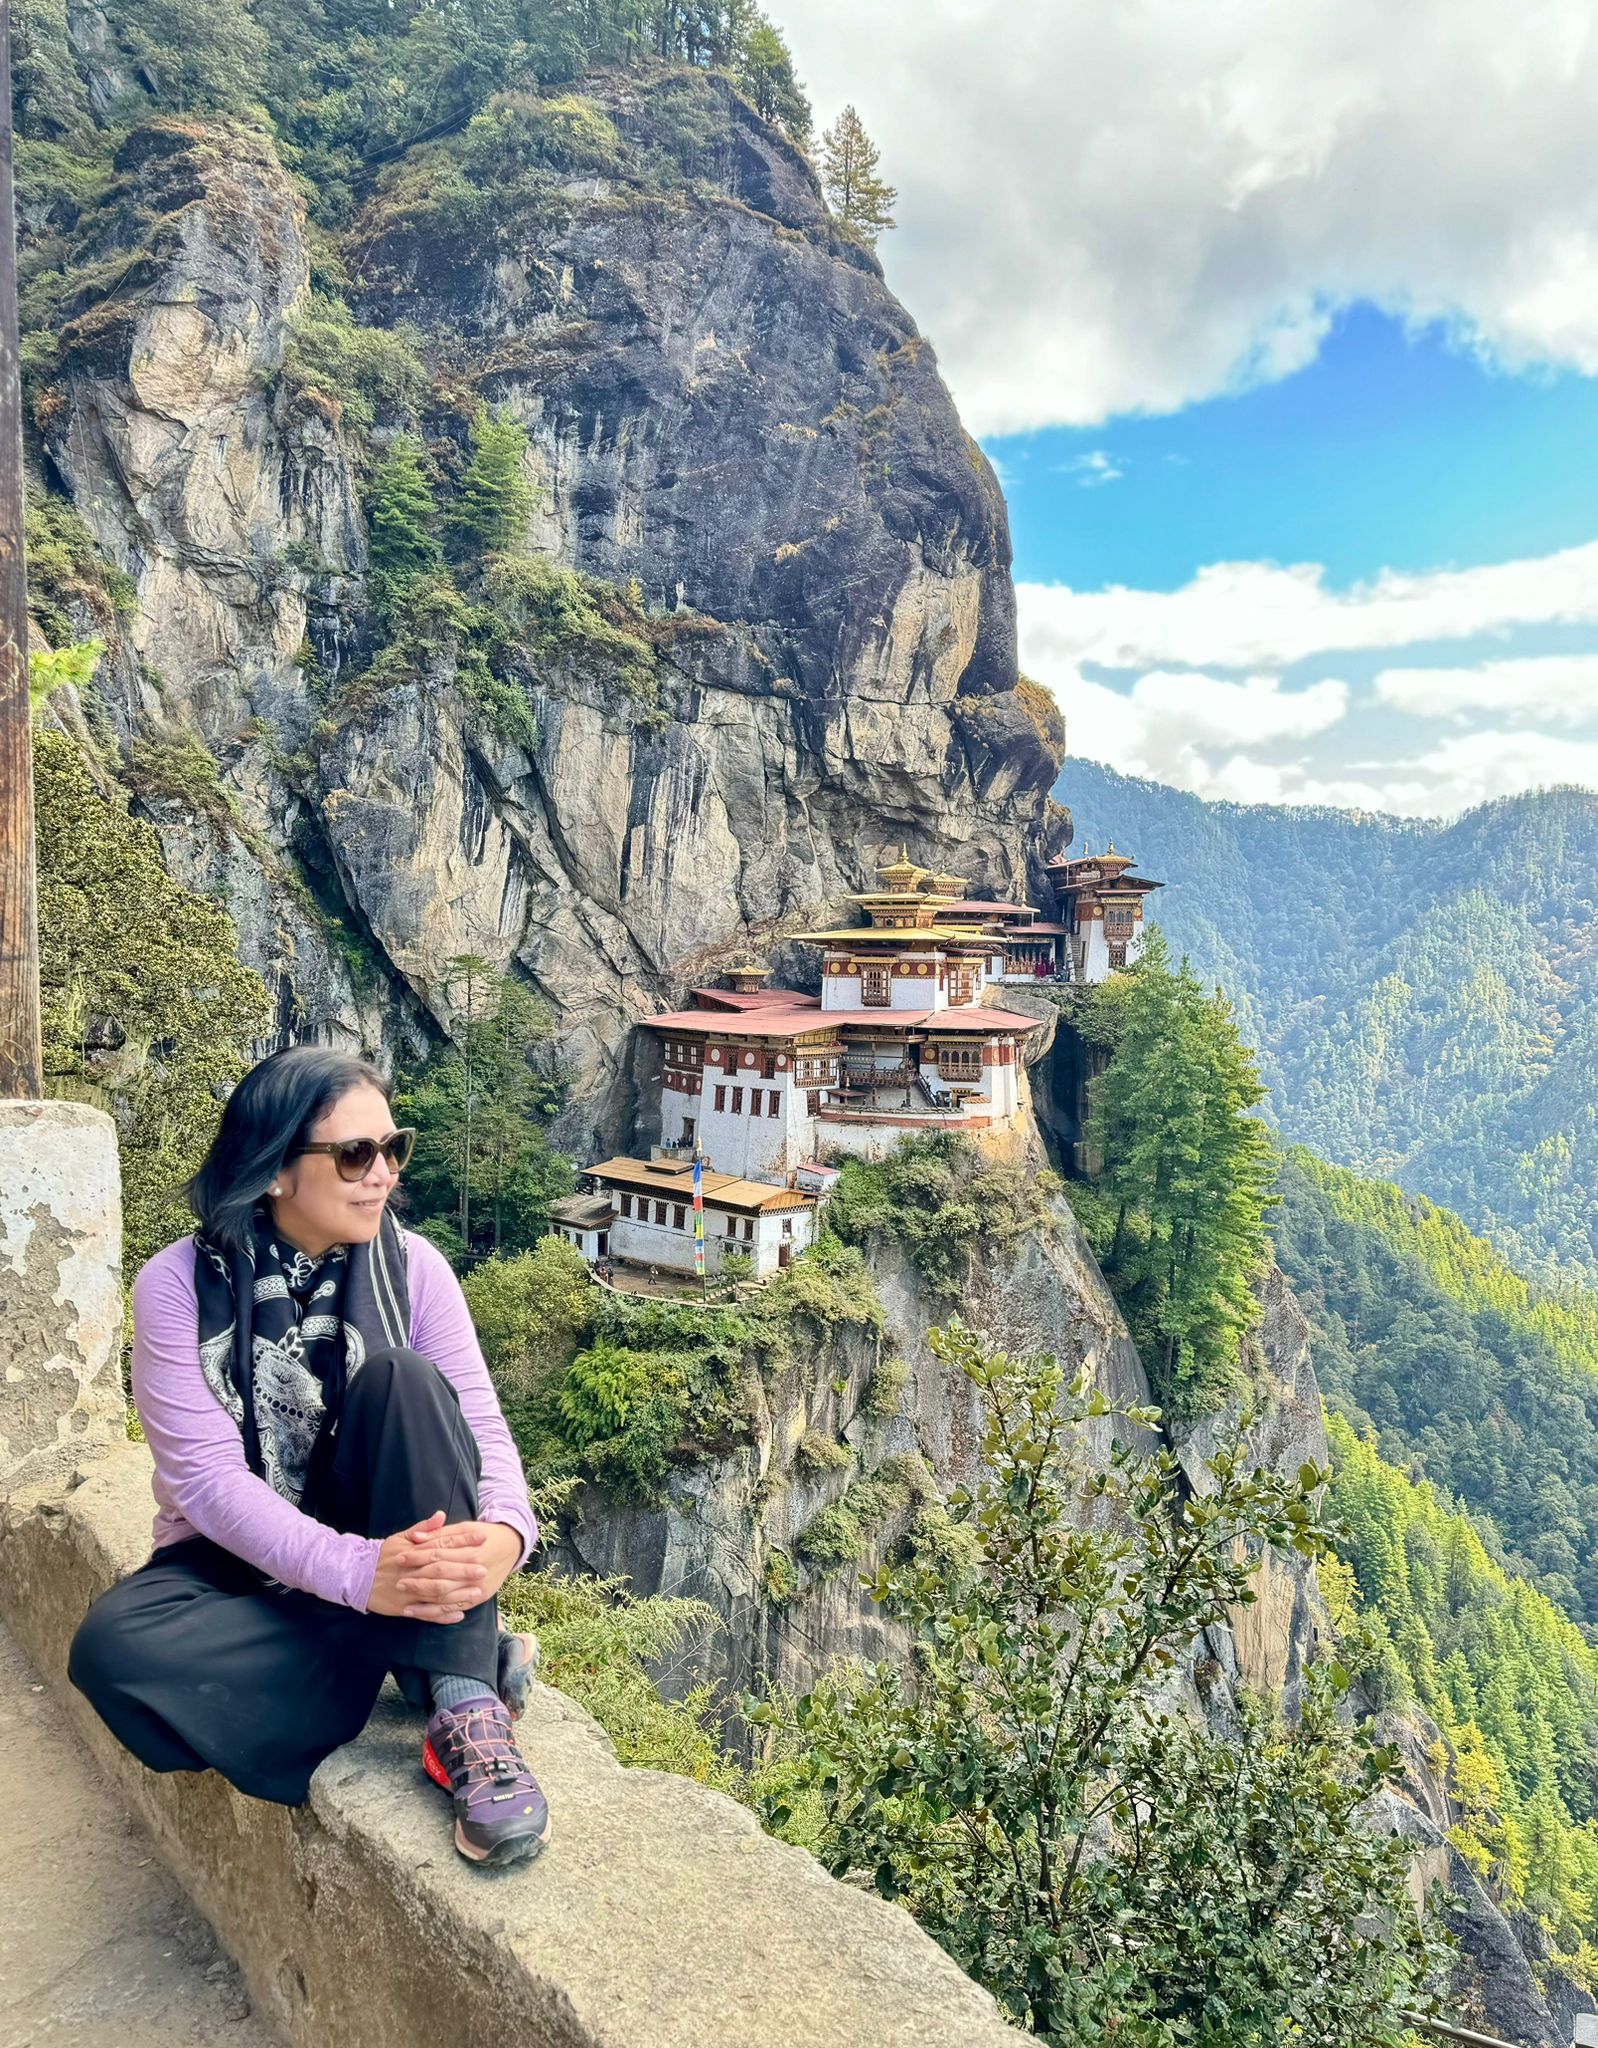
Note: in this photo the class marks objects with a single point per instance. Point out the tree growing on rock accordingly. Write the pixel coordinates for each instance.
(484, 1173)
(862, 203)
(1177, 1209)
(496, 499)
(402, 517)
(1111, 1869)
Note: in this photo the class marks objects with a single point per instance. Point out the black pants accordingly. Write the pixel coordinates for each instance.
(195, 1662)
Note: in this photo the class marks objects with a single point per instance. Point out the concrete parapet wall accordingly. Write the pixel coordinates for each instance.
(60, 1288)
(659, 1917)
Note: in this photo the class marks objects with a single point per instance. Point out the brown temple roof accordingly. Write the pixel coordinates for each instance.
(671, 1181)
(769, 1023)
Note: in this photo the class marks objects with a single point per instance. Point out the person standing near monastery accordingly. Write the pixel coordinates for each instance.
(337, 1493)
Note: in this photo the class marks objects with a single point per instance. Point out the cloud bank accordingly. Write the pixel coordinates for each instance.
(1126, 208)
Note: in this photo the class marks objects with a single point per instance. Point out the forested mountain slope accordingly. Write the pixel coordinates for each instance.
(1424, 996)
(1470, 1377)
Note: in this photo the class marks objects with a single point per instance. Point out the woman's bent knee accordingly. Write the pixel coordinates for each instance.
(398, 1369)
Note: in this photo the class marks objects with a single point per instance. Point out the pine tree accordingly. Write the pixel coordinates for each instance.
(496, 499)
(861, 202)
(401, 515)
(766, 73)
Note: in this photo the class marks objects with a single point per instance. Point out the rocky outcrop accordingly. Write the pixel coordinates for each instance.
(728, 415)
(727, 1517)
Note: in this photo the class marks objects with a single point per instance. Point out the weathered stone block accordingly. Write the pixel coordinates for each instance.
(659, 1917)
(60, 1287)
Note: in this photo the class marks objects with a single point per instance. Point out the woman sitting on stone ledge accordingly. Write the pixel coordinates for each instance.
(338, 1494)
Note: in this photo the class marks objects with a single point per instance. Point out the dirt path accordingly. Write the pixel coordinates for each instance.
(98, 1946)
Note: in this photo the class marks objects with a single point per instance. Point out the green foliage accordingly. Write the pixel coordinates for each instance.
(433, 632)
(765, 71)
(195, 55)
(597, 1642)
(659, 1379)
(364, 373)
(531, 1310)
(862, 203)
(401, 516)
(1470, 1376)
(180, 765)
(1110, 1870)
(662, 1380)
(940, 1197)
(147, 1009)
(838, 1534)
(1510, 1681)
(822, 1453)
(555, 613)
(51, 669)
(779, 1578)
(888, 1382)
(481, 1106)
(1186, 1170)
(1424, 995)
(496, 500)
(67, 580)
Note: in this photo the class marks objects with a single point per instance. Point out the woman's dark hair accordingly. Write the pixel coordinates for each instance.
(269, 1115)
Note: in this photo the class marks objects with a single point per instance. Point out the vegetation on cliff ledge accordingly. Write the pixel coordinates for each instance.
(1111, 1870)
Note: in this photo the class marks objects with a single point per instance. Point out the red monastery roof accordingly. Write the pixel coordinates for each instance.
(770, 1022)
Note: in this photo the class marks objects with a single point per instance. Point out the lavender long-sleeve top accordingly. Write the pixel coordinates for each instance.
(204, 1487)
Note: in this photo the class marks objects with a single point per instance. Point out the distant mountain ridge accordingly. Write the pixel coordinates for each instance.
(1424, 995)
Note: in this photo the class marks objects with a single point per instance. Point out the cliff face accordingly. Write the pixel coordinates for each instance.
(728, 1516)
(729, 417)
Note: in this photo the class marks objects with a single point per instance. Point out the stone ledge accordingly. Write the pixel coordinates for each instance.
(659, 1917)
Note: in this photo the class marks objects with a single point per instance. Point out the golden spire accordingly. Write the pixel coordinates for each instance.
(901, 875)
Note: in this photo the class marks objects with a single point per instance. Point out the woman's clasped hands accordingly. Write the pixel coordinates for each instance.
(436, 1571)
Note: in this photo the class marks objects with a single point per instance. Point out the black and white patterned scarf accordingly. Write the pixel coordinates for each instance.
(282, 1334)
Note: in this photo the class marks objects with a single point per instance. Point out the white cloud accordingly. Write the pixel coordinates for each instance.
(1256, 615)
(1561, 687)
(1096, 467)
(1168, 726)
(1149, 730)
(1107, 209)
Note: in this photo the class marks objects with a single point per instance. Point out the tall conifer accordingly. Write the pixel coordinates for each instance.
(861, 202)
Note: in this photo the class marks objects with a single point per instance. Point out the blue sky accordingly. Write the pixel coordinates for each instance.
(1290, 370)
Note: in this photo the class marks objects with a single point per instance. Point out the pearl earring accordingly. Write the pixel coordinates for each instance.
(275, 1189)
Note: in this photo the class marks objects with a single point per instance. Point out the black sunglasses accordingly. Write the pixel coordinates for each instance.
(354, 1156)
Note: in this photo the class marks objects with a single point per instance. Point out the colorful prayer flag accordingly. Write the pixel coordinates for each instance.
(699, 1222)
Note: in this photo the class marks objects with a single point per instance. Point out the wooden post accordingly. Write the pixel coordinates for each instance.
(21, 1064)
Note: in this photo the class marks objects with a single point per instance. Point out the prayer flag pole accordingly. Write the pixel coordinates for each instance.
(699, 1221)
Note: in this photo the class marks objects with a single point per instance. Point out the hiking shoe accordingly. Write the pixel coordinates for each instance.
(518, 1661)
(501, 1816)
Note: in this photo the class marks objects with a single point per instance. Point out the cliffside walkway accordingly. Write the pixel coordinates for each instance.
(98, 1946)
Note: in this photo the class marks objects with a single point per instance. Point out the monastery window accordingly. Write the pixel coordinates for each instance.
(677, 1216)
(773, 1103)
(660, 1212)
(754, 1102)
(626, 1205)
(875, 988)
(960, 1062)
(1118, 956)
(787, 1226)
(749, 1229)
(737, 1102)
(721, 1098)
(813, 1102)
(768, 1066)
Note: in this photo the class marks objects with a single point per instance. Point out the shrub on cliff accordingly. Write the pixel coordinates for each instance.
(942, 1199)
(1110, 1870)
(147, 1009)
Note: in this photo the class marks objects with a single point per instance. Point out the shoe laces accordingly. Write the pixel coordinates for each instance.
(480, 1754)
